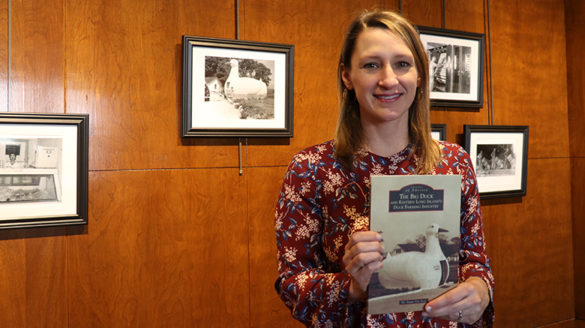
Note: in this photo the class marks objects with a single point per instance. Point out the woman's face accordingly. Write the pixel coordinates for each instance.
(383, 76)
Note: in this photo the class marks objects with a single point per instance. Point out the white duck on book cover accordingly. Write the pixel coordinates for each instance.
(419, 218)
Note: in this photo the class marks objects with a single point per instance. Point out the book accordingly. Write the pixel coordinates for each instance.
(419, 219)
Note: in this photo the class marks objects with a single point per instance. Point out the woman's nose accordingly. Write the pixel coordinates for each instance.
(387, 77)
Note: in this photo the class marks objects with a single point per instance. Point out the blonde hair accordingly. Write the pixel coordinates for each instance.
(349, 135)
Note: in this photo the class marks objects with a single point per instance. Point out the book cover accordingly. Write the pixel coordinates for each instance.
(418, 217)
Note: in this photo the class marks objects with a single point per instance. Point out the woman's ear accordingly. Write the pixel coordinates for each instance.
(346, 77)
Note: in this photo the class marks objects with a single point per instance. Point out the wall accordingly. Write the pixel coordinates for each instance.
(176, 236)
(576, 81)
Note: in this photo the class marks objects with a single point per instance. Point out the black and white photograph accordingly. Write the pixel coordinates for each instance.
(30, 169)
(439, 131)
(455, 67)
(43, 170)
(495, 160)
(236, 88)
(499, 155)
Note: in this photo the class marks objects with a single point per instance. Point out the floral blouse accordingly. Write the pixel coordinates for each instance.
(321, 205)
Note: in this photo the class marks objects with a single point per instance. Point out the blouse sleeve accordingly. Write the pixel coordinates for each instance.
(474, 261)
(305, 283)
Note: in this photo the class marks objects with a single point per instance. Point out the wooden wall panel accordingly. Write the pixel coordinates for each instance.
(33, 278)
(317, 37)
(429, 13)
(575, 10)
(13, 279)
(266, 307)
(37, 57)
(578, 192)
(527, 90)
(124, 68)
(35, 258)
(4, 45)
(529, 240)
(164, 248)
(465, 16)
(46, 278)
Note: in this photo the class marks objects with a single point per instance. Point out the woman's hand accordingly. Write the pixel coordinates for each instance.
(363, 256)
(464, 303)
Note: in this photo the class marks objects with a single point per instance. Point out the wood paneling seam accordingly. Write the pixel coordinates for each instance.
(489, 54)
(443, 13)
(9, 56)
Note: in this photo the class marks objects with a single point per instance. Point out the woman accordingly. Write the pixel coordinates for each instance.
(326, 253)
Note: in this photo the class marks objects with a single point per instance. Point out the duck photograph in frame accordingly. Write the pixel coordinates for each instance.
(438, 131)
(234, 88)
(43, 169)
(499, 155)
(455, 66)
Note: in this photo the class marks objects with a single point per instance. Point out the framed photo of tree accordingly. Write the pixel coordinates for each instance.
(234, 88)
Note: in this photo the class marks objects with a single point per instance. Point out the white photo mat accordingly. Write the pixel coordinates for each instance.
(474, 66)
(236, 88)
(499, 155)
(201, 109)
(67, 181)
(462, 68)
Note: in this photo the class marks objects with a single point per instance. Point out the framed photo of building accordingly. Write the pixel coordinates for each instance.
(455, 66)
(439, 131)
(43, 169)
(499, 155)
(234, 88)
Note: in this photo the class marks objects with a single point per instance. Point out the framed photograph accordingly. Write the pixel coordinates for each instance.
(455, 66)
(43, 169)
(439, 131)
(499, 155)
(235, 88)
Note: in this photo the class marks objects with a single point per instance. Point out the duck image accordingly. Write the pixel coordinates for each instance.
(237, 87)
(414, 270)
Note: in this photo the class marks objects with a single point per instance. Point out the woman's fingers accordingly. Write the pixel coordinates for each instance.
(364, 260)
(363, 255)
(464, 303)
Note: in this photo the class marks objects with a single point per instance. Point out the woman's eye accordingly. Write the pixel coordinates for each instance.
(371, 66)
(404, 64)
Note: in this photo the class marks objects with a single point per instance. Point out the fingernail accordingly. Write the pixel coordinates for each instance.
(384, 256)
(428, 309)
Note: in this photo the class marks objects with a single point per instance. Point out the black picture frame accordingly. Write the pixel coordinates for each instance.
(499, 155)
(439, 131)
(456, 62)
(234, 88)
(43, 170)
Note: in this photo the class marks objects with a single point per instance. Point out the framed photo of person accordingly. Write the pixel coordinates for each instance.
(499, 155)
(439, 131)
(234, 88)
(455, 66)
(43, 169)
